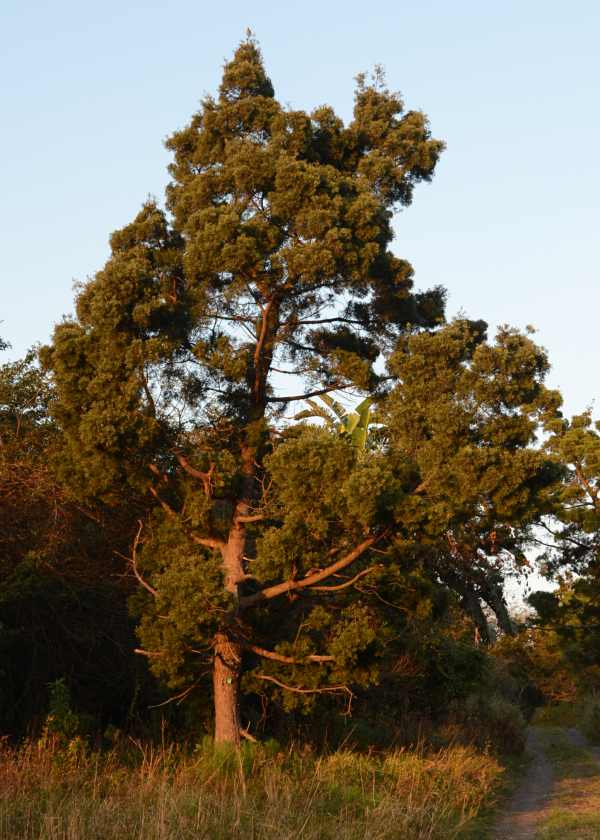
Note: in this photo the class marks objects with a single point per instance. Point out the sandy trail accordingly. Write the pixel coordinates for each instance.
(539, 793)
(531, 800)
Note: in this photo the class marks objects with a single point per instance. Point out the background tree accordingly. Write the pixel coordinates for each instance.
(570, 539)
(275, 260)
(469, 416)
(573, 533)
(63, 600)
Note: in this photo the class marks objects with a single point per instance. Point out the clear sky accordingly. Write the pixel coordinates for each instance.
(510, 224)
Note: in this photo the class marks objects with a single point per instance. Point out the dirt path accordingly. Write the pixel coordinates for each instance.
(548, 787)
(531, 800)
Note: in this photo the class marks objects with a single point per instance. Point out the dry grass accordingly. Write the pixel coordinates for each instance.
(50, 791)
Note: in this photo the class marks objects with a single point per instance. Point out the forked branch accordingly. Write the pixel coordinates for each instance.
(204, 477)
(208, 542)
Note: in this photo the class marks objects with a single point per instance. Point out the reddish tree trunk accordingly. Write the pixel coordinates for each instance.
(226, 685)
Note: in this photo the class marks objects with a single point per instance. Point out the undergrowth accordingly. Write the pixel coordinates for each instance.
(57, 790)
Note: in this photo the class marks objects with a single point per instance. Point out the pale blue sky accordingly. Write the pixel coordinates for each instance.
(509, 224)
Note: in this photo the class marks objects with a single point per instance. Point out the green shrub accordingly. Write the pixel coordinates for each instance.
(590, 718)
(491, 721)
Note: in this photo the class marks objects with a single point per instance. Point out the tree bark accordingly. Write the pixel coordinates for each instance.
(227, 667)
(226, 688)
(472, 606)
(494, 598)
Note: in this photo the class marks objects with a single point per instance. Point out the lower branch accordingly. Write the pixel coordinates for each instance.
(150, 654)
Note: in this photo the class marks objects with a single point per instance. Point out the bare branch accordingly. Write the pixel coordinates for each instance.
(133, 562)
(324, 690)
(583, 481)
(167, 508)
(177, 698)
(237, 318)
(420, 488)
(208, 542)
(154, 469)
(331, 321)
(318, 393)
(204, 477)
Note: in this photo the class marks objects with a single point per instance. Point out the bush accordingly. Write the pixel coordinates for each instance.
(491, 722)
(590, 718)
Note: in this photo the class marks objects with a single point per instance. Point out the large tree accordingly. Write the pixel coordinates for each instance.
(273, 259)
(570, 539)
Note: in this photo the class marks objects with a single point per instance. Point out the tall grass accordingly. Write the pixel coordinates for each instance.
(54, 791)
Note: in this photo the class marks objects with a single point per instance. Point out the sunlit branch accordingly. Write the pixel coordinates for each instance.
(347, 583)
(322, 574)
(204, 477)
(287, 660)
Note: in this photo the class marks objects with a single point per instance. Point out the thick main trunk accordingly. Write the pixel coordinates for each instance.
(226, 687)
(227, 651)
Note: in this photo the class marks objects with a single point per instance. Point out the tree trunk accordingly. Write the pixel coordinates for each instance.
(472, 605)
(469, 602)
(494, 598)
(226, 686)
(228, 653)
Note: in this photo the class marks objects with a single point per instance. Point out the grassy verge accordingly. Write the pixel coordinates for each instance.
(66, 792)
